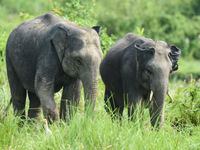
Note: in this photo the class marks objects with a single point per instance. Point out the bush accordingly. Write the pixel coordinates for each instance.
(184, 111)
(174, 21)
(32, 7)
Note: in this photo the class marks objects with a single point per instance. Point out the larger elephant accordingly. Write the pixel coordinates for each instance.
(135, 68)
(48, 53)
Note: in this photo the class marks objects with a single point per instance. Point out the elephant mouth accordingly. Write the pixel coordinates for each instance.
(151, 96)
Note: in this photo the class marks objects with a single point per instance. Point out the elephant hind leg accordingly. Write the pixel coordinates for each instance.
(135, 109)
(109, 101)
(111, 105)
(18, 93)
(19, 100)
(34, 106)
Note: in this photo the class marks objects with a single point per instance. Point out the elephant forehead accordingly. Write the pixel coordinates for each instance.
(91, 41)
(161, 47)
(88, 36)
(89, 51)
(147, 43)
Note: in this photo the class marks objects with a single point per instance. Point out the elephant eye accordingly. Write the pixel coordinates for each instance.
(147, 71)
(78, 61)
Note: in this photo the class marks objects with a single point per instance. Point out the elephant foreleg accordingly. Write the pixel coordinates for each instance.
(70, 100)
(134, 106)
(44, 88)
(112, 104)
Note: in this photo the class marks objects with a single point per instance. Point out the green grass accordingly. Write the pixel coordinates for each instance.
(189, 66)
(99, 132)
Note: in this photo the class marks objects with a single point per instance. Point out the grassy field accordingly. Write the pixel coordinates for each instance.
(181, 129)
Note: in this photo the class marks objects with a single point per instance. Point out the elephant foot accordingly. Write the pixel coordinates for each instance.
(51, 115)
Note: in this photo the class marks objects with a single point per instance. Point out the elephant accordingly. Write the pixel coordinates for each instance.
(47, 54)
(136, 73)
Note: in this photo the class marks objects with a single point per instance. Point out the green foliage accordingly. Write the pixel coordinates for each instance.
(174, 21)
(184, 111)
(31, 7)
(3, 39)
(140, 31)
(76, 11)
(25, 16)
(106, 41)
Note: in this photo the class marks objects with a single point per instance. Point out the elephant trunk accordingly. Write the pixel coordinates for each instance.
(90, 84)
(158, 94)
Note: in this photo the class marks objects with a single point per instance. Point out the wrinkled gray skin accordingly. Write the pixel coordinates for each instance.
(46, 54)
(132, 68)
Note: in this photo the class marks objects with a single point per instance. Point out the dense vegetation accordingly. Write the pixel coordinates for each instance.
(175, 21)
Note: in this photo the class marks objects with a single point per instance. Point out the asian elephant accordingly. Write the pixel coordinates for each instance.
(48, 53)
(135, 68)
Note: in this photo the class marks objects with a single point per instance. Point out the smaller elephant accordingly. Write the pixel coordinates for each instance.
(47, 54)
(136, 71)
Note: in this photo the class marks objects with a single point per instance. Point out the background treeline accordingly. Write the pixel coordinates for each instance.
(174, 21)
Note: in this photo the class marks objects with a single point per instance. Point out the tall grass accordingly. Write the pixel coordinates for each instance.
(100, 132)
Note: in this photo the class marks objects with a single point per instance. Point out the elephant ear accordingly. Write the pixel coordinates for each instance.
(59, 39)
(174, 57)
(97, 29)
(141, 49)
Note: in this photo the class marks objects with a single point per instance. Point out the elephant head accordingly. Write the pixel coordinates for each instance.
(79, 53)
(155, 61)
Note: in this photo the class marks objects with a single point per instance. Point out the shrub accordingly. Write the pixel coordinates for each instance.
(185, 109)
(31, 7)
(174, 21)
